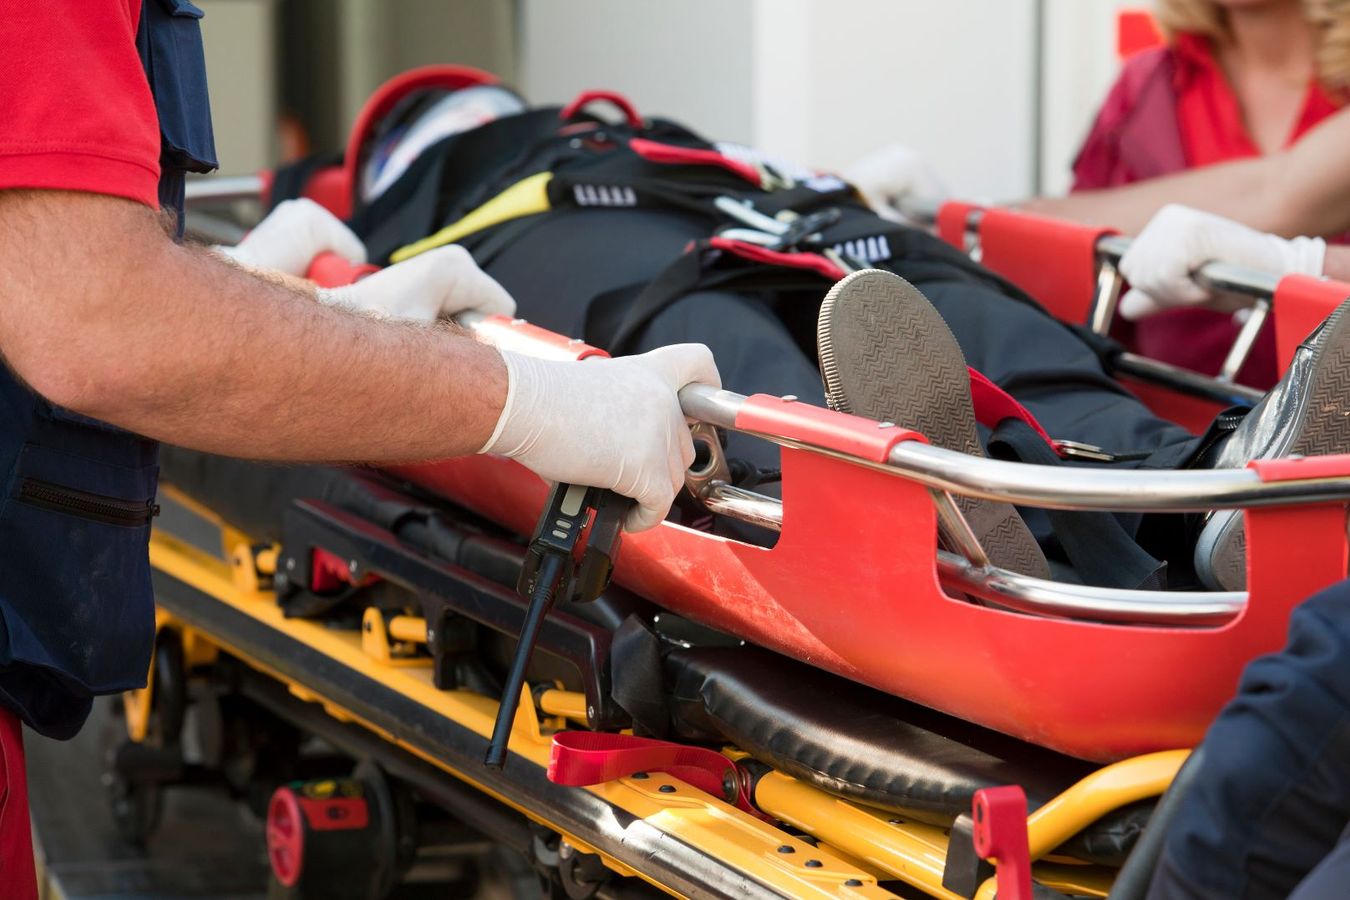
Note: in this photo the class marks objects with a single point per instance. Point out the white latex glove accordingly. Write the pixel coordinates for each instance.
(890, 176)
(292, 235)
(437, 284)
(1178, 240)
(611, 423)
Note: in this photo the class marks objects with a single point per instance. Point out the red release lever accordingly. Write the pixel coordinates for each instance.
(1001, 837)
(582, 758)
(330, 270)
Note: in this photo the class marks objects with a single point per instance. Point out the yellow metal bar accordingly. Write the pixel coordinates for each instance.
(567, 704)
(410, 629)
(914, 853)
(1107, 789)
(698, 820)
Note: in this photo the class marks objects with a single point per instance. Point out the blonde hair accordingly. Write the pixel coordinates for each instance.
(1331, 19)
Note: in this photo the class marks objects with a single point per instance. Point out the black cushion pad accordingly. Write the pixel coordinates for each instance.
(871, 747)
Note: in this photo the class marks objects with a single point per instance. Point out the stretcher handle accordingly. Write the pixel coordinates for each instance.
(330, 270)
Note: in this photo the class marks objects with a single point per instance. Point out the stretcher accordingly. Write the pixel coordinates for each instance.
(866, 697)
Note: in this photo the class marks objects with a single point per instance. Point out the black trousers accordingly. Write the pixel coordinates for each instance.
(765, 344)
(1269, 807)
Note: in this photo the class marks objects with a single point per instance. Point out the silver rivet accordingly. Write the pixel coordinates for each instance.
(290, 565)
(788, 398)
(590, 712)
(517, 321)
(353, 566)
(885, 424)
(572, 342)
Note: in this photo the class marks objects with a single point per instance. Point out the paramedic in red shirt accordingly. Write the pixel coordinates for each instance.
(114, 336)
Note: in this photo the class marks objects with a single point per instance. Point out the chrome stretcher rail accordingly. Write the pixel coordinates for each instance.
(1053, 487)
(1023, 593)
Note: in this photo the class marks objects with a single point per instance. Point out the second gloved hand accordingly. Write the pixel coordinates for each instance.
(892, 175)
(1179, 240)
(437, 284)
(291, 236)
(611, 423)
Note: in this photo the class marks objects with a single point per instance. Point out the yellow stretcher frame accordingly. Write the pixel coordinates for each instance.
(857, 848)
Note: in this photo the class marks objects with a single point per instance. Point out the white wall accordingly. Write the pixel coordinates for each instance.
(968, 83)
(688, 60)
(954, 80)
(1079, 64)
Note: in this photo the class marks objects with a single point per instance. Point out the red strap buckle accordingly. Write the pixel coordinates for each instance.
(584, 758)
(1001, 836)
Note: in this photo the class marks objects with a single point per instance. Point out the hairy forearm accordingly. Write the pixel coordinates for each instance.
(99, 310)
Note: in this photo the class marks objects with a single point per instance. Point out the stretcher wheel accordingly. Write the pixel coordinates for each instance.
(135, 772)
(337, 838)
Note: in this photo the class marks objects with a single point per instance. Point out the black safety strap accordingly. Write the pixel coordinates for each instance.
(616, 318)
(637, 683)
(1099, 547)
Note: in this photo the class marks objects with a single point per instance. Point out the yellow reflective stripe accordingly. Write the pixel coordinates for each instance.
(524, 198)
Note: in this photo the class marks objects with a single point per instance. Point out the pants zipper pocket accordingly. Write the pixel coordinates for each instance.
(96, 507)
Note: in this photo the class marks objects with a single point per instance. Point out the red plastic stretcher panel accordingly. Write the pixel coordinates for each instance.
(851, 586)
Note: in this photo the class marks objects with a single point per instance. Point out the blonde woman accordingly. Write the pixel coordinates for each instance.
(1236, 79)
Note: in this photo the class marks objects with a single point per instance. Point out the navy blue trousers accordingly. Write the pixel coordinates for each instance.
(1271, 801)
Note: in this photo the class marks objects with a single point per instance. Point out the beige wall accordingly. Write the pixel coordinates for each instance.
(968, 82)
(241, 71)
(689, 60)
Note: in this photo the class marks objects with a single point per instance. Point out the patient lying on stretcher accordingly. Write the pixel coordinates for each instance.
(892, 343)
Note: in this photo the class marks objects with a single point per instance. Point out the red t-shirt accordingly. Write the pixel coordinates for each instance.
(75, 107)
(1212, 130)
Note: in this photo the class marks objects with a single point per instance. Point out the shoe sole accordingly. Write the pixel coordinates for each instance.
(886, 353)
(1321, 427)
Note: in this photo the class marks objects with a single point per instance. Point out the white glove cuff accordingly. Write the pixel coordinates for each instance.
(518, 373)
(1307, 255)
(234, 254)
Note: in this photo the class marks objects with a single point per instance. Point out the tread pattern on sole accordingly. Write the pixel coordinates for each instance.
(886, 353)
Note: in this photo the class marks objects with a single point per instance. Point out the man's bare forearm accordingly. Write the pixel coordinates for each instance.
(105, 315)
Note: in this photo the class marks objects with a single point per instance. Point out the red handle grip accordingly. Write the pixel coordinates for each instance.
(330, 270)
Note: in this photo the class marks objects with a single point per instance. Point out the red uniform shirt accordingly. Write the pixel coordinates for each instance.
(75, 107)
(1208, 113)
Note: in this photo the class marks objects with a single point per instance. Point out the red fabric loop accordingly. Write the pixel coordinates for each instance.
(993, 405)
(586, 98)
(813, 262)
(583, 758)
(675, 155)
